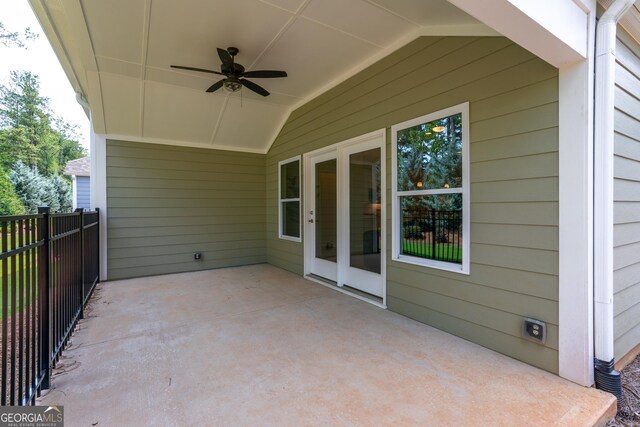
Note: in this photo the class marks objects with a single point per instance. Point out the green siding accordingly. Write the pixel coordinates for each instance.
(627, 197)
(514, 182)
(164, 203)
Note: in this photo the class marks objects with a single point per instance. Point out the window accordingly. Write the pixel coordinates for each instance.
(289, 199)
(430, 173)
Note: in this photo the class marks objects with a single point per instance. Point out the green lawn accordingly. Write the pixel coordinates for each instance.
(11, 276)
(444, 251)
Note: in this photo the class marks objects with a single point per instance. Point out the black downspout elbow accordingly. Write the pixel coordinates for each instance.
(608, 379)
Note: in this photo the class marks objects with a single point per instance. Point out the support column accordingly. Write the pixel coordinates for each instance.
(99, 192)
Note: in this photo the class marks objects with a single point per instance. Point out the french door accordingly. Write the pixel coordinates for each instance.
(344, 214)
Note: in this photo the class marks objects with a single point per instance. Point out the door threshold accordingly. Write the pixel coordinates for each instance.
(347, 290)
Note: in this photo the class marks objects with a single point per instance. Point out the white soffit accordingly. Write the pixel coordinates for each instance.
(118, 53)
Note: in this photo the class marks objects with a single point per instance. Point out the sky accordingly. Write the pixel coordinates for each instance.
(40, 59)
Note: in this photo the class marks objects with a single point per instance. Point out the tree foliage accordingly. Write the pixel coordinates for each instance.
(30, 132)
(14, 38)
(36, 190)
(10, 203)
(430, 157)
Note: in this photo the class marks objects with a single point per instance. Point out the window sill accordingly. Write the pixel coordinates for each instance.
(429, 263)
(291, 239)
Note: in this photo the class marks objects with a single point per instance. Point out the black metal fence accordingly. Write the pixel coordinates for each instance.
(432, 234)
(49, 266)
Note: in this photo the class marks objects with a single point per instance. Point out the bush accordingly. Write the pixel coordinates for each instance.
(36, 190)
(10, 203)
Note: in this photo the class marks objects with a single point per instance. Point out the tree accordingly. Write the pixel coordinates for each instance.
(29, 186)
(30, 132)
(62, 190)
(36, 190)
(9, 38)
(430, 157)
(10, 203)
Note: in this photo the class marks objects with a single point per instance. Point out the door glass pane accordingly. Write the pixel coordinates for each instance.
(326, 210)
(364, 210)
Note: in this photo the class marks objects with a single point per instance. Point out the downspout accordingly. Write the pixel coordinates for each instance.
(606, 377)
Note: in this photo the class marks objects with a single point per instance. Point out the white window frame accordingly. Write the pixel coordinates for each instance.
(298, 199)
(463, 268)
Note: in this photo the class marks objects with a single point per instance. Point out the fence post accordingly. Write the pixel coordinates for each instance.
(98, 242)
(80, 212)
(44, 300)
(434, 233)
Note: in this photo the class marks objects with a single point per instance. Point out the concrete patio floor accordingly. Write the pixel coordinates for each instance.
(260, 346)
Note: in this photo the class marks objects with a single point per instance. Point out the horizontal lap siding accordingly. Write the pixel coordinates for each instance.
(83, 191)
(514, 182)
(165, 203)
(627, 198)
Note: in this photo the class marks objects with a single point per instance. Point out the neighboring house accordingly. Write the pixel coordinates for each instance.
(445, 160)
(80, 172)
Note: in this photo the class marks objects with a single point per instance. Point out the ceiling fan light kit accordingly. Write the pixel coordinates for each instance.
(235, 74)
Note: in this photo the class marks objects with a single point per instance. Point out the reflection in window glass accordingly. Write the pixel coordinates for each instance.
(430, 155)
(290, 180)
(291, 219)
(431, 227)
(365, 216)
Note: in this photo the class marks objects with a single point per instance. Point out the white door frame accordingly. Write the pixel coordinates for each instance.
(376, 139)
(321, 267)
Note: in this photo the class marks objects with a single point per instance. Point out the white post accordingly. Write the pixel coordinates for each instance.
(98, 185)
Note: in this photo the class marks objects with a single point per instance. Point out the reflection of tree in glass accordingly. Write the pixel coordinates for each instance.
(430, 157)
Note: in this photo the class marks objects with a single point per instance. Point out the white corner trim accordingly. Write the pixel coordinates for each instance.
(575, 222)
(74, 192)
(98, 193)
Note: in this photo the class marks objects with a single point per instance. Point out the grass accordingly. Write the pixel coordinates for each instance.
(443, 251)
(11, 275)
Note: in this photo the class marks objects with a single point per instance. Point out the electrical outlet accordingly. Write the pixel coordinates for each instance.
(197, 256)
(534, 330)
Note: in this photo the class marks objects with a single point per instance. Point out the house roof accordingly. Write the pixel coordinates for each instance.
(79, 167)
(118, 54)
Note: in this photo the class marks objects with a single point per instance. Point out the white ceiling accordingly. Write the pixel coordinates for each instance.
(119, 52)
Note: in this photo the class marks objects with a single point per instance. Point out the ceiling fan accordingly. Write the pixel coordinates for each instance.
(235, 74)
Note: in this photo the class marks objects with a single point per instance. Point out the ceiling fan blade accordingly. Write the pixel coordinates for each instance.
(217, 85)
(202, 70)
(254, 87)
(265, 74)
(226, 59)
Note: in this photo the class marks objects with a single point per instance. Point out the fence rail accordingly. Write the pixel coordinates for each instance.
(49, 266)
(433, 234)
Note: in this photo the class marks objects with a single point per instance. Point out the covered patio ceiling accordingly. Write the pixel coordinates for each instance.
(117, 55)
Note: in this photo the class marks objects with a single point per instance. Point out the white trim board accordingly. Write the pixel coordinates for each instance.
(575, 223)
(98, 192)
